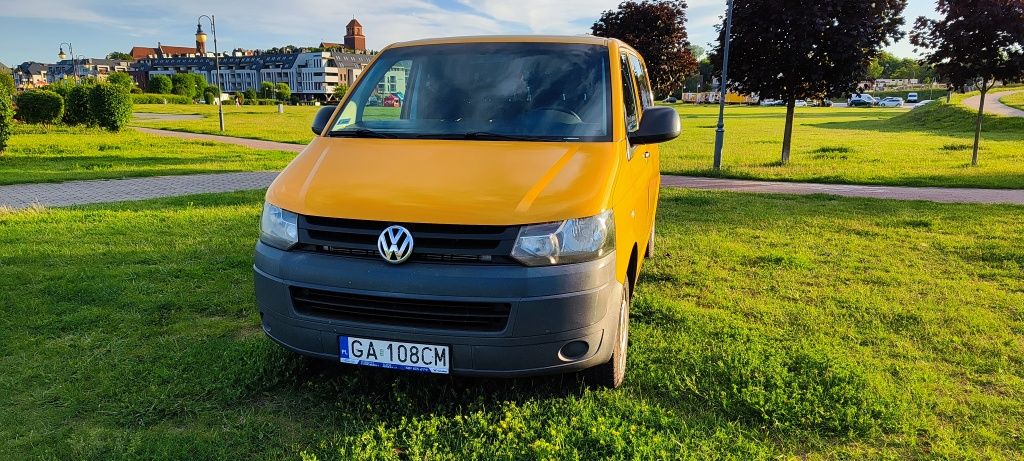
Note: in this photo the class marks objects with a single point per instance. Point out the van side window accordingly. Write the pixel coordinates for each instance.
(646, 95)
(629, 96)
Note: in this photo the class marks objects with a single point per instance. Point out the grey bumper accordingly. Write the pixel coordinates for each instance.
(550, 307)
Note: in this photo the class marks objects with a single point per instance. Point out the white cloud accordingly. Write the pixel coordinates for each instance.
(542, 16)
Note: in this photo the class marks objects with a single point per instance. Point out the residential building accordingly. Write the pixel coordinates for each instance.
(163, 51)
(30, 74)
(89, 67)
(311, 75)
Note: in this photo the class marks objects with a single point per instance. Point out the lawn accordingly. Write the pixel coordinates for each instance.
(768, 327)
(38, 154)
(1014, 100)
(925, 147)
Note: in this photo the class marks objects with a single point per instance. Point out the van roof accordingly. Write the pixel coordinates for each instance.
(581, 39)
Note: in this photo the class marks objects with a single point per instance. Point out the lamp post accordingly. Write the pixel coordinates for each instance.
(62, 55)
(720, 131)
(201, 38)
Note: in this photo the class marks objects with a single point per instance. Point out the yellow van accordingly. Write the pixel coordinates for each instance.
(474, 206)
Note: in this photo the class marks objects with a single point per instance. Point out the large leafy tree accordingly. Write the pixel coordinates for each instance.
(977, 42)
(794, 49)
(657, 29)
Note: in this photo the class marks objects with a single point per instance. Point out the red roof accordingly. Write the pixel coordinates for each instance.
(142, 52)
(354, 23)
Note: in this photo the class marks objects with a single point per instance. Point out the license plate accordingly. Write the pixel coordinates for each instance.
(424, 358)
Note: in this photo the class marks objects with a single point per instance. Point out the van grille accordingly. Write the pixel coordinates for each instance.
(442, 315)
(441, 243)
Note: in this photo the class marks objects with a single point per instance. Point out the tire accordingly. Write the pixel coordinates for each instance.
(611, 374)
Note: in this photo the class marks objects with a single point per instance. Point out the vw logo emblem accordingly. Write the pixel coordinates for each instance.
(395, 244)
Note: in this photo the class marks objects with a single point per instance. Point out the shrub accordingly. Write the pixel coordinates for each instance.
(121, 79)
(40, 106)
(7, 83)
(283, 92)
(150, 98)
(210, 94)
(111, 106)
(267, 90)
(250, 94)
(260, 102)
(76, 106)
(188, 85)
(6, 117)
(160, 84)
(62, 87)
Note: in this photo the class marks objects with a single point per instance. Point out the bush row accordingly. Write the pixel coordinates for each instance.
(6, 116)
(106, 105)
(153, 98)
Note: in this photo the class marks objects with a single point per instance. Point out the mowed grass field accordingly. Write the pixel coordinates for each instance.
(768, 327)
(59, 153)
(925, 147)
(1014, 100)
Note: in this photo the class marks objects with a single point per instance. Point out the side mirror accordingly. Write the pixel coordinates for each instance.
(659, 124)
(322, 117)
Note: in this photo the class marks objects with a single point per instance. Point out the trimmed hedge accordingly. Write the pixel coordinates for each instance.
(111, 106)
(150, 98)
(76, 106)
(40, 106)
(6, 117)
(261, 102)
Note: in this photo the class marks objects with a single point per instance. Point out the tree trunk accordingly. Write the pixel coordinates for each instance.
(787, 138)
(977, 127)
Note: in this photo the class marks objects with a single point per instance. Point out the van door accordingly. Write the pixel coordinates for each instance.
(636, 164)
(652, 152)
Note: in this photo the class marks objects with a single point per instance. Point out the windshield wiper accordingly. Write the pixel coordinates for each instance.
(483, 136)
(359, 133)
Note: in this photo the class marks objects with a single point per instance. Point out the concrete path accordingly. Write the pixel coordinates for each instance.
(253, 143)
(120, 190)
(993, 106)
(931, 194)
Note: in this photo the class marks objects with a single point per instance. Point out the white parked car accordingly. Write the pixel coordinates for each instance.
(861, 100)
(912, 98)
(800, 103)
(924, 103)
(891, 101)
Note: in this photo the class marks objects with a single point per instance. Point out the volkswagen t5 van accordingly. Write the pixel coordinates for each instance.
(490, 220)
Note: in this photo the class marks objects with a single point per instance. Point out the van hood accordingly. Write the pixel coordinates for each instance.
(443, 181)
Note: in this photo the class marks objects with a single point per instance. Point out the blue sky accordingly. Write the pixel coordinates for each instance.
(32, 29)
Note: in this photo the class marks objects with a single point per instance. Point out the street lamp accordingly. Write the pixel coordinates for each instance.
(201, 38)
(63, 56)
(722, 88)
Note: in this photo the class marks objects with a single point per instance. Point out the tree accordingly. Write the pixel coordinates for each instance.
(76, 106)
(657, 29)
(160, 84)
(211, 93)
(7, 83)
(121, 79)
(250, 96)
(119, 55)
(976, 42)
(267, 90)
(340, 91)
(283, 91)
(189, 85)
(6, 117)
(792, 50)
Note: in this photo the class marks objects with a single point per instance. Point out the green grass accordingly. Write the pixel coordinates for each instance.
(924, 147)
(1014, 100)
(38, 154)
(768, 327)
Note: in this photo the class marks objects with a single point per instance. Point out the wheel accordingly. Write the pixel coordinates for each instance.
(649, 252)
(611, 374)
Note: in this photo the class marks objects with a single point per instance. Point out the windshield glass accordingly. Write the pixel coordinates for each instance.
(483, 91)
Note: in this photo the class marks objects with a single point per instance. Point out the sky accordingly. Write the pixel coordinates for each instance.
(34, 29)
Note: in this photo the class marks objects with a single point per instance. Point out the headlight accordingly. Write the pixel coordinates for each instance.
(279, 228)
(566, 242)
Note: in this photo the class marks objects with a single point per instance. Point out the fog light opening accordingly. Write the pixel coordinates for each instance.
(574, 350)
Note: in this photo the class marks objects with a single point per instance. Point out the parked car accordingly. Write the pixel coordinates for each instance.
(800, 103)
(460, 238)
(912, 98)
(769, 102)
(891, 101)
(671, 100)
(861, 100)
(923, 103)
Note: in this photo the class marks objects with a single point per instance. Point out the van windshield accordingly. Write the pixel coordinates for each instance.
(483, 91)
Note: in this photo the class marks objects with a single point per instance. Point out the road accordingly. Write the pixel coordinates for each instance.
(993, 106)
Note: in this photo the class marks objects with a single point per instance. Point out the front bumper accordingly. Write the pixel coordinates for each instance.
(550, 307)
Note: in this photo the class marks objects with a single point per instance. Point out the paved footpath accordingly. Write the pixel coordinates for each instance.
(993, 105)
(98, 191)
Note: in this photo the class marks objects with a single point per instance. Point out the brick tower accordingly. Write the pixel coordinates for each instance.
(354, 38)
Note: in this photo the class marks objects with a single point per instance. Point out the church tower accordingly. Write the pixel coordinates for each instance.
(354, 38)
